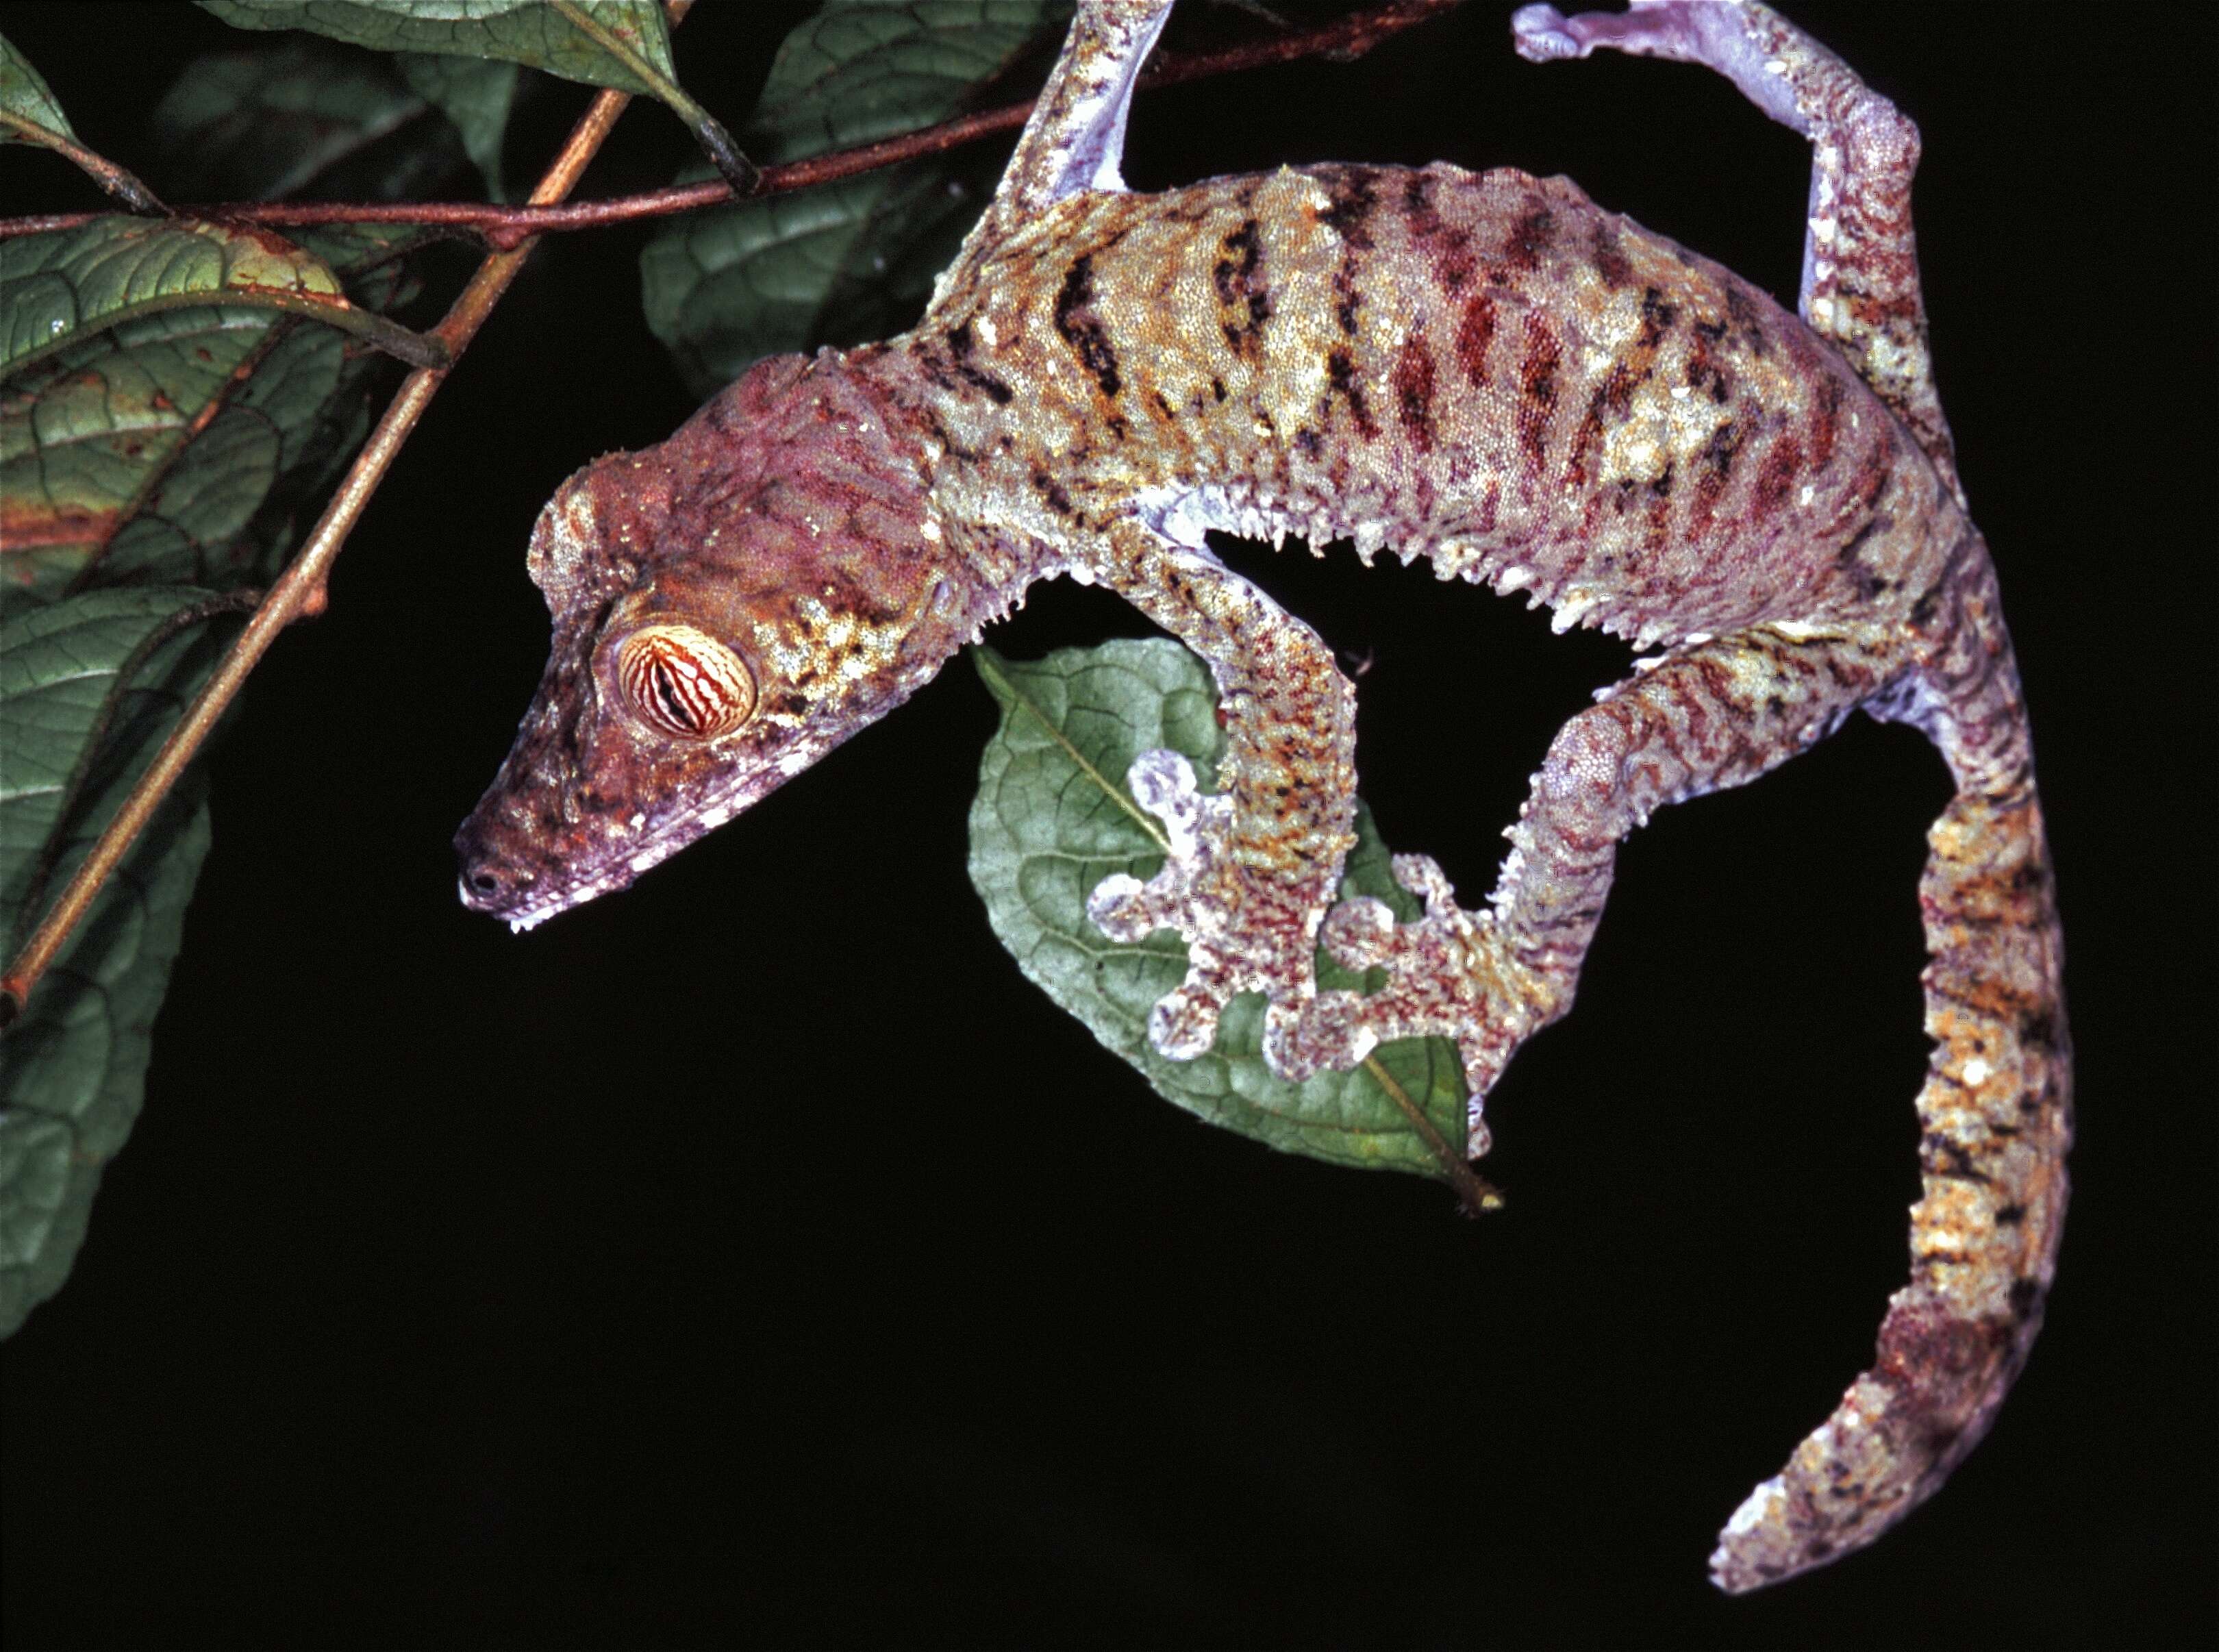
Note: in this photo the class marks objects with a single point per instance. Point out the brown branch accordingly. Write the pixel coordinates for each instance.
(300, 589)
(505, 227)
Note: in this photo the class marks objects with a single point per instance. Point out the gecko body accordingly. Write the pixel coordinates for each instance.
(1485, 369)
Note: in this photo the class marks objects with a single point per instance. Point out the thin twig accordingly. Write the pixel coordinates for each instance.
(504, 225)
(300, 589)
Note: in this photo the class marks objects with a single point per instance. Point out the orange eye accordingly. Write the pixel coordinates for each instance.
(685, 682)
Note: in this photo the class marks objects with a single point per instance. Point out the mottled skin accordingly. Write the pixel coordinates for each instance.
(1488, 370)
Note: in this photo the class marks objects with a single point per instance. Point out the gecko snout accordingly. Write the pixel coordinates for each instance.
(486, 880)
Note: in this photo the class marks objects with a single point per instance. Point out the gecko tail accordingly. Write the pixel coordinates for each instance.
(1996, 1118)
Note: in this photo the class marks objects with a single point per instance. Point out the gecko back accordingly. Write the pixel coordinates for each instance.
(1485, 369)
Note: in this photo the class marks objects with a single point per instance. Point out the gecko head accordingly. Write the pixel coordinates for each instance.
(728, 606)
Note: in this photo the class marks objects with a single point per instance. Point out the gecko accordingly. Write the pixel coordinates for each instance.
(1486, 370)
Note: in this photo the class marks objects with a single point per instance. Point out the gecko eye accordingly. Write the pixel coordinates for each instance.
(685, 682)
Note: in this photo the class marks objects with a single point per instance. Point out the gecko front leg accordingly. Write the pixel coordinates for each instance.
(1074, 140)
(1253, 869)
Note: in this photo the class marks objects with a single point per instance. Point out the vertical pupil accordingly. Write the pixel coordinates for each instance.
(684, 690)
(666, 692)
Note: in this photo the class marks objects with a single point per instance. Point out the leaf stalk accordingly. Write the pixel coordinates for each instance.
(124, 185)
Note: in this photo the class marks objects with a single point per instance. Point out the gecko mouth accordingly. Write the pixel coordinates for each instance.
(502, 872)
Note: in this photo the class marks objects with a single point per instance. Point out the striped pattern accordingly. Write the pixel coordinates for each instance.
(1484, 368)
(684, 681)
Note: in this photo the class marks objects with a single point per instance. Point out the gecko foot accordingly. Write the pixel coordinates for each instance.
(1245, 932)
(1449, 975)
(1541, 34)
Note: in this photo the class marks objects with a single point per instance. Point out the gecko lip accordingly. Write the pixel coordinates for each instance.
(490, 883)
(511, 879)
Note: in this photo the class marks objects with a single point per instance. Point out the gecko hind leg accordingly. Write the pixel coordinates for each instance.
(1861, 290)
(1706, 717)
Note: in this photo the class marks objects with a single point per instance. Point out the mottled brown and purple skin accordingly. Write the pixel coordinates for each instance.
(1488, 370)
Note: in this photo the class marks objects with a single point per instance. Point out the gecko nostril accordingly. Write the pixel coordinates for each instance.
(482, 878)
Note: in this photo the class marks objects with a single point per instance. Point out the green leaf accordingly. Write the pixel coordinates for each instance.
(73, 1070)
(852, 260)
(57, 288)
(474, 94)
(168, 448)
(837, 264)
(266, 124)
(28, 106)
(1053, 819)
(860, 70)
(621, 44)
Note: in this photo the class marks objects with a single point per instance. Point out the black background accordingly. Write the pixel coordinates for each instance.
(756, 1258)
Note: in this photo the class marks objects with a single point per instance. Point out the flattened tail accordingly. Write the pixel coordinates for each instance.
(1996, 1118)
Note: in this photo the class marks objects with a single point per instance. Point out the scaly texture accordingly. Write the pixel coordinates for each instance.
(1488, 370)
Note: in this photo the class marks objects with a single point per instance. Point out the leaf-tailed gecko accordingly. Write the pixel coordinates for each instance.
(1485, 369)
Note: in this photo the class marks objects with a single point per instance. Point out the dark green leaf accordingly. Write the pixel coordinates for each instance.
(859, 69)
(73, 1070)
(622, 44)
(57, 288)
(264, 124)
(477, 94)
(149, 451)
(853, 260)
(27, 107)
(836, 264)
(1053, 819)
